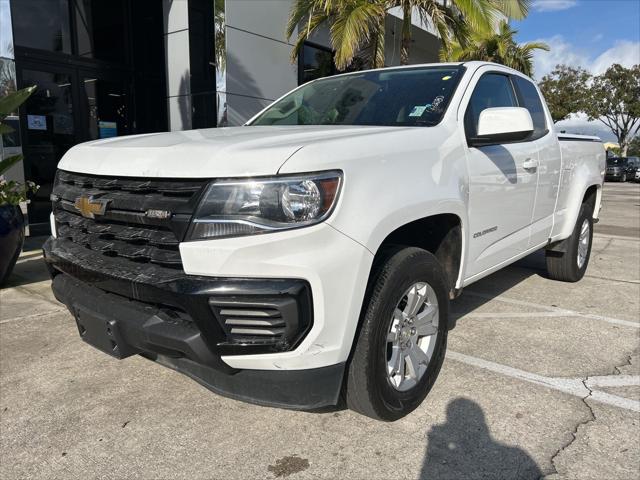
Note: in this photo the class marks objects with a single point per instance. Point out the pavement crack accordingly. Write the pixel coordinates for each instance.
(616, 368)
(574, 433)
(606, 247)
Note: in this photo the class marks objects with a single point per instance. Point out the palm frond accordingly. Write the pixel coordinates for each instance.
(480, 15)
(310, 26)
(514, 9)
(352, 29)
(529, 46)
(500, 47)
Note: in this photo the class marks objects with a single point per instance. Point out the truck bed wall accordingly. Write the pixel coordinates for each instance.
(579, 172)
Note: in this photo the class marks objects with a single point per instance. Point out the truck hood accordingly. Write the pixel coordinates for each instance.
(214, 152)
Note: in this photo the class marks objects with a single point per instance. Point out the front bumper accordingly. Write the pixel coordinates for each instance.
(170, 319)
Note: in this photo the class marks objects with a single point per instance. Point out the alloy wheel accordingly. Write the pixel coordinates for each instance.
(412, 334)
(583, 243)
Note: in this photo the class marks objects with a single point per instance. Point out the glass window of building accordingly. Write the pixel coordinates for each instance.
(42, 24)
(100, 29)
(315, 62)
(7, 76)
(6, 37)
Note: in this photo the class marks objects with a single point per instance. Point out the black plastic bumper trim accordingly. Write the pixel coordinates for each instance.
(189, 293)
(310, 389)
(124, 325)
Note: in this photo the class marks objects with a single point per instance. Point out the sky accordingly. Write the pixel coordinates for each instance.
(592, 34)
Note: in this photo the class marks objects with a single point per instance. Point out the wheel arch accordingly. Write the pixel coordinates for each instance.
(593, 197)
(440, 234)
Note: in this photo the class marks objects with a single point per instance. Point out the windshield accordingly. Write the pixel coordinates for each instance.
(393, 97)
(617, 162)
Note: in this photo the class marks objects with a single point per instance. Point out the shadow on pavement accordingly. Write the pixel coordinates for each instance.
(30, 267)
(28, 270)
(462, 448)
(499, 282)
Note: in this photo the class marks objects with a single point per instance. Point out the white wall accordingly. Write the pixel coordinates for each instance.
(176, 45)
(259, 69)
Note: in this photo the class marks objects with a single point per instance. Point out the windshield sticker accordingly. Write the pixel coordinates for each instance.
(448, 77)
(418, 110)
(436, 105)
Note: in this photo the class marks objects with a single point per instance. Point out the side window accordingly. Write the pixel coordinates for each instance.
(492, 90)
(529, 99)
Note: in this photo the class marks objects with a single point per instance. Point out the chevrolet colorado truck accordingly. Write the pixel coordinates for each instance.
(308, 258)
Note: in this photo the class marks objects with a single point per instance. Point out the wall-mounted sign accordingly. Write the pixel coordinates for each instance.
(36, 122)
(107, 129)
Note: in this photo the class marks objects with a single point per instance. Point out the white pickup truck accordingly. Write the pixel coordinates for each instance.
(310, 256)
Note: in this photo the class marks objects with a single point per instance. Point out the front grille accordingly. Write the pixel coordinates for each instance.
(143, 221)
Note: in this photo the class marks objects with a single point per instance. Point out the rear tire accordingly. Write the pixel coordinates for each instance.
(385, 354)
(571, 265)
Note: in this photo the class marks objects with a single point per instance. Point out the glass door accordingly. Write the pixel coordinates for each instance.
(70, 105)
(106, 105)
(49, 124)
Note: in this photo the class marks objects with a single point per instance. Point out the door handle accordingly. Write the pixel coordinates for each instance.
(530, 164)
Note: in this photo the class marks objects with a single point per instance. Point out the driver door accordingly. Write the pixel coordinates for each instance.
(502, 183)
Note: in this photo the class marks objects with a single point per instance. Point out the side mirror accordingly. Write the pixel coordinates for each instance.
(502, 125)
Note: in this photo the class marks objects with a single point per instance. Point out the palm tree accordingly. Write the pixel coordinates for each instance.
(358, 25)
(499, 47)
(355, 25)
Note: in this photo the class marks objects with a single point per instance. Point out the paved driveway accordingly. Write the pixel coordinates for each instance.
(542, 379)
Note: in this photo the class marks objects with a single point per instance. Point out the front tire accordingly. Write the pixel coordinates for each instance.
(571, 265)
(403, 336)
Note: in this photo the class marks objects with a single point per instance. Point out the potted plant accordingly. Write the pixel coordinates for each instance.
(12, 193)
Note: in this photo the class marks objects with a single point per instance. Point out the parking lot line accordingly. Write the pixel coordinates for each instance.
(617, 237)
(561, 312)
(614, 381)
(572, 386)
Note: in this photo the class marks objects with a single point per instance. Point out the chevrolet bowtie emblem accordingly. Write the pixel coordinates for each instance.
(90, 207)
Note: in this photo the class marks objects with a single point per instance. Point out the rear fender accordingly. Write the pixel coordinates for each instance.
(574, 184)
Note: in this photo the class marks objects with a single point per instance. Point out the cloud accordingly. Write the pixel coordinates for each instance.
(553, 5)
(624, 52)
(581, 125)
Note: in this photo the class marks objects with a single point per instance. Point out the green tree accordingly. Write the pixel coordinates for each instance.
(565, 90)
(499, 47)
(357, 26)
(634, 147)
(614, 99)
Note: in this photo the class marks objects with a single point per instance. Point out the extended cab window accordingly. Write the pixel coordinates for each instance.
(530, 100)
(398, 97)
(492, 90)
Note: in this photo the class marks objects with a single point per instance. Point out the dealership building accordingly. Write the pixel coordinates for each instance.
(107, 68)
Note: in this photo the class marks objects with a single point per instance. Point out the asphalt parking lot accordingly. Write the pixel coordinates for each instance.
(542, 379)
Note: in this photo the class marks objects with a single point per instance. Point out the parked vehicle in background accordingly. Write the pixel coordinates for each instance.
(633, 168)
(621, 169)
(313, 252)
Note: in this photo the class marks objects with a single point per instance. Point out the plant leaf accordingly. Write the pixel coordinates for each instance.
(7, 163)
(11, 102)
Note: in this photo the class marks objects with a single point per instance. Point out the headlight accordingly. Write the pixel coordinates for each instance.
(232, 208)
